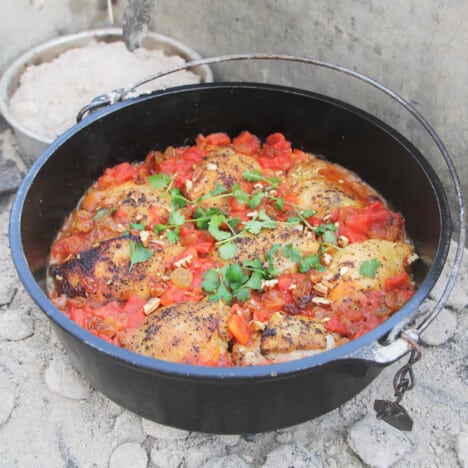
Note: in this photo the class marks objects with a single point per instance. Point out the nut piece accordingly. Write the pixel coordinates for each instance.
(321, 300)
(211, 167)
(151, 305)
(183, 262)
(321, 289)
(342, 241)
(255, 325)
(326, 259)
(268, 284)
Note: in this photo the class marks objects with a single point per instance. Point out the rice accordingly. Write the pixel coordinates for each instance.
(51, 94)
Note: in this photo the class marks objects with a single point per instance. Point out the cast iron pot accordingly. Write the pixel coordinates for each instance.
(228, 400)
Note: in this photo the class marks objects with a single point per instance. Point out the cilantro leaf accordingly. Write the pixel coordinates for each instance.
(241, 196)
(324, 227)
(242, 294)
(222, 294)
(273, 249)
(310, 261)
(176, 218)
(253, 226)
(137, 226)
(218, 190)
(279, 203)
(293, 253)
(227, 251)
(177, 199)
(273, 181)
(253, 176)
(234, 274)
(159, 181)
(256, 199)
(138, 253)
(255, 281)
(369, 268)
(309, 213)
(210, 280)
(173, 235)
(213, 227)
(329, 237)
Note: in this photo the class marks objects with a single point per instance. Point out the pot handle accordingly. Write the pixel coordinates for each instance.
(398, 346)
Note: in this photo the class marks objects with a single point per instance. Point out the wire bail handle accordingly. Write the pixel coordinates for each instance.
(130, 92)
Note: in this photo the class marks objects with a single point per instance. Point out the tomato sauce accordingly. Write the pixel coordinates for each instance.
(269, 192)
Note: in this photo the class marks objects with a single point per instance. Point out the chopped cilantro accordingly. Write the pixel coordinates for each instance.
(138, 253)
(369, 268)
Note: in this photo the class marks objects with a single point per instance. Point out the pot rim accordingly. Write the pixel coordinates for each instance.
(152, 365)
(18, 66)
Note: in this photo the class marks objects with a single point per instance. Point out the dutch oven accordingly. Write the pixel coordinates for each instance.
(248, 399)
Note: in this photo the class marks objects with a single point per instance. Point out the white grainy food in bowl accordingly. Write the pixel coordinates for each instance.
(51, 94)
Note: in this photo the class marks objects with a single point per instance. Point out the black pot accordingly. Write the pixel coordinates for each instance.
(227, 400)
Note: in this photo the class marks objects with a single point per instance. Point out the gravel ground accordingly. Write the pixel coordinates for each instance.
(50, 417)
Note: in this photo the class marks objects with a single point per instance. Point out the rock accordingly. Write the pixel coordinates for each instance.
(127, 428)
(7, 293)
(291, 455)
(462, 449)
(10, 176)
(7, 404)
(161, 432)
(168, 457)
(15, 325)
(441, 329)
(377, 443)
(63, 379)
(231, 461)
(129, 454)
(229, 440)
(283, 437)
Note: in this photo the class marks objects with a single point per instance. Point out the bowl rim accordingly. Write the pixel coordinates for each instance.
(350, 350)
(27, 58)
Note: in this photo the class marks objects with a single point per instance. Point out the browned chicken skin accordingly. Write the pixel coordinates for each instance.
(105, 272)
(191, 333)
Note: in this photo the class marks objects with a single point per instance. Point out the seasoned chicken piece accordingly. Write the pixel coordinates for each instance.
(105, 272)
(286, 333)
(395, 257)
(137, 203)
(223, 166)
(191, 333)
(284, 338)
(252, 246)
(320, 186)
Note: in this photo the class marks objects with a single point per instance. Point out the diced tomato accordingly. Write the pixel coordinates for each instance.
(121, 216)
(118, 174)
(397, 281)
(69, 245)
(214, 139)
(276, 153)
(335, 325)
(133, 309)
(239, 327)
(246, 143)
(182, 164)
(286, 280)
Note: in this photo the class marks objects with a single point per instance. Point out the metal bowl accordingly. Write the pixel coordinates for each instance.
(31, 143)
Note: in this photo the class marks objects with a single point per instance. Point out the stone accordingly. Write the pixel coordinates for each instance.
(161, 432)
(231, 461)
(462, 449)
(291, 455)
(378, 444)
(127, 428)
(64, 380)
(229, 440)
(10, 176)
(441, 329)
(167, 457)
(15, 325)
(7, 404)
(7, 293)
(129, 454)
